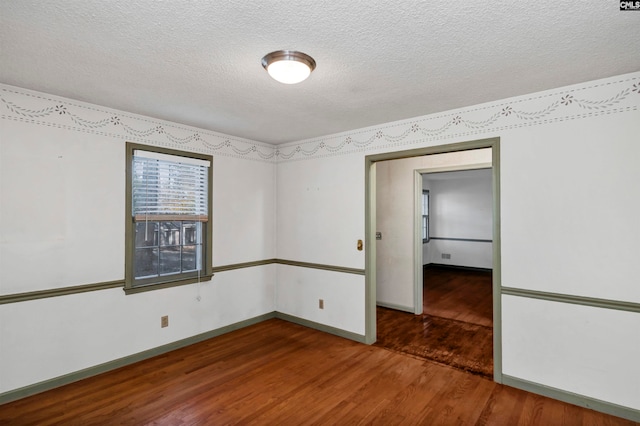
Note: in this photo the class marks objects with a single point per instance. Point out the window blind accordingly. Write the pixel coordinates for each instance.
(167, 187)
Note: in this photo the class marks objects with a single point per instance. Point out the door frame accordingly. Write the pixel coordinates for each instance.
(418, 246)
(370, 236)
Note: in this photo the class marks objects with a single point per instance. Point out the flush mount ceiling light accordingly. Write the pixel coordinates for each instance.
(288, 66)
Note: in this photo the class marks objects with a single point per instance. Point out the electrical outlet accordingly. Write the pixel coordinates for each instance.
(446, 255)
(164, 321)
(321, 303)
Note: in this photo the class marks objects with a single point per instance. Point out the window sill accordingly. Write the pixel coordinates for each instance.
(167, 284)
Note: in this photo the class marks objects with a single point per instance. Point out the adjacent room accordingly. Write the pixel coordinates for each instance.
(455, 325)
(235, 212)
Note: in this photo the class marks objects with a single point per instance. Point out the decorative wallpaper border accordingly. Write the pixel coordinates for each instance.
(52, 111)
(608, 96)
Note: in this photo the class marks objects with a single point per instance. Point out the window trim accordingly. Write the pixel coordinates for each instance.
(165, 281)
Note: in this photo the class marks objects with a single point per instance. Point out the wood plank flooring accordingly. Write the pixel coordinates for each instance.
(456, 327)
(459, 294)
(466, 346)
(278, 373)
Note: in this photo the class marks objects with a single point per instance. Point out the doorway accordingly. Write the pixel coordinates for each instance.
(466, 149)
(457, 318)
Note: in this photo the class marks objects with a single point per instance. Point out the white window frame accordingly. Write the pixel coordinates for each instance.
(425, 217)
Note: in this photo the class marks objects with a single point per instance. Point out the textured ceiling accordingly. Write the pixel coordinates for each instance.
(198, 62)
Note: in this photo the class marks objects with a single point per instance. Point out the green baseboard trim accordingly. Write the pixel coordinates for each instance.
(395, 307)
(467, 240)
(127, 360)
(322, 327)
(321, 266)
(459, 267)
(56, 382)
(64, 291)
(576, 300)
(324, 267)
(41, 294)
(243, 265)
(573, 398)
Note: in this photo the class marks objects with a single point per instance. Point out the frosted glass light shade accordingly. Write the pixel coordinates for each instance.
(288, 66)
(288, 72)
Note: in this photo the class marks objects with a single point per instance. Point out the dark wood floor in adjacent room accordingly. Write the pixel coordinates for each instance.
(459, 294)
(278, 373)
(456, 327)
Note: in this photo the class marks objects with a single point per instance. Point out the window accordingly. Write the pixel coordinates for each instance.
(168, 209)
(425, 216)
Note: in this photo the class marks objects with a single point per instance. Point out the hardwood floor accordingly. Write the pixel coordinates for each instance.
(466, 346)
(278, 373)
(459, 294)
(456, 327)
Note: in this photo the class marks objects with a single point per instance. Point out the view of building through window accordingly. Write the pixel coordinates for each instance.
(170, 202)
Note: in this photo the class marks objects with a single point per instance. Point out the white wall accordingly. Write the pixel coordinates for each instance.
(569, 203)
(584, 350)
(244, 221)
(579, 218)
(320, 220)
(300, 289)
(395, 215)
(62, 191)
(461, 207)
(63, 206)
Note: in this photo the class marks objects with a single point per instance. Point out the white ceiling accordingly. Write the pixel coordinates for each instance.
(198, 62)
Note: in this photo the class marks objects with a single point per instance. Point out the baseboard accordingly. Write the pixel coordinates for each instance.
(322, 327)
(66, 379)
(121, 362)
(561, 395)
(573, 398)
(395, 307)
(459, 267)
